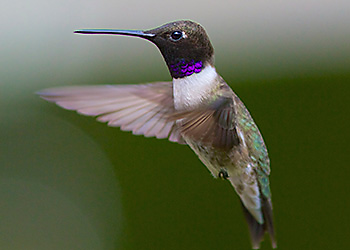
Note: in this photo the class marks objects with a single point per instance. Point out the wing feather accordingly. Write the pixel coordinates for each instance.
(143, 108)
(212, 125)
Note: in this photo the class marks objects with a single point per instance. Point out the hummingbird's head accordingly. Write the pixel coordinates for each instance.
(184, 44)
(185, 47)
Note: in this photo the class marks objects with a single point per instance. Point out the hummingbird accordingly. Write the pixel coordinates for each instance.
(197, 108)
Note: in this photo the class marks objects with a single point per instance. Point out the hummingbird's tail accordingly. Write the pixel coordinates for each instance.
(257, 207)
(256, 229)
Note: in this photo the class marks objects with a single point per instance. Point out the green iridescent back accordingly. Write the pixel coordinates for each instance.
(257, 149)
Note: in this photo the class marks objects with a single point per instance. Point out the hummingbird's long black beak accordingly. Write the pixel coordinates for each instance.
(137, 33)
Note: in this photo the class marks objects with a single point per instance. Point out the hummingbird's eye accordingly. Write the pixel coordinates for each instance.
(176, 35)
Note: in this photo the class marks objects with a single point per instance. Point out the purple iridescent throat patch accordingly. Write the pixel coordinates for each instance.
(183, 68)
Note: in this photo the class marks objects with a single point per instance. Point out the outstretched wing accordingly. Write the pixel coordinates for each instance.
(143, 109)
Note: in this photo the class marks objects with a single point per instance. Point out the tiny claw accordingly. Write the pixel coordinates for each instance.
(223, 174)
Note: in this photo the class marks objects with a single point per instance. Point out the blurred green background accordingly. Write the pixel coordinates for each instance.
(69, 182)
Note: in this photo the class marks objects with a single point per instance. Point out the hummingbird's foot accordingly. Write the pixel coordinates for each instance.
(223, 174)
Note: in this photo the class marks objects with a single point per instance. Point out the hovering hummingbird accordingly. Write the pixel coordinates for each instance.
(196, 108)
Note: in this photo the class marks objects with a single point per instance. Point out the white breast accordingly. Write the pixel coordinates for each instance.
(190, 91)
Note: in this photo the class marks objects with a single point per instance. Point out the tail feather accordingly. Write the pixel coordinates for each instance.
(267, 211)
(257, 230)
